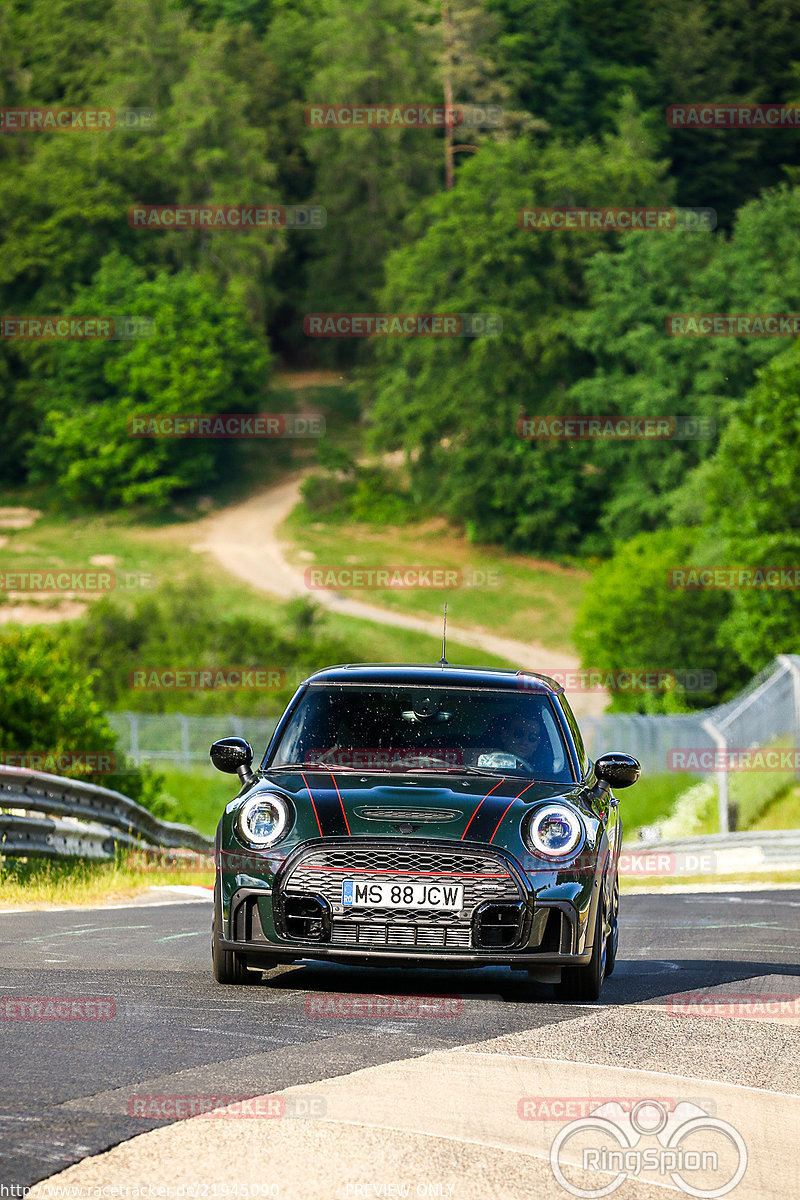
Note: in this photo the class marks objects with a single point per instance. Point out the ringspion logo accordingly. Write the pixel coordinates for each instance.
(704, 1156)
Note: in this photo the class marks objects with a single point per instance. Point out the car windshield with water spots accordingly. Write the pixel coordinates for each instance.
(359, 727)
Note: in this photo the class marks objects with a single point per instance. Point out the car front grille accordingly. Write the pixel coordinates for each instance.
(485, 877)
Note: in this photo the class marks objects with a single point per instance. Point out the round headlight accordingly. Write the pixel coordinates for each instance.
(554, 831)
(262, 820)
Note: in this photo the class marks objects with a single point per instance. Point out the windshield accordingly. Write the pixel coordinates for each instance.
(375, 727)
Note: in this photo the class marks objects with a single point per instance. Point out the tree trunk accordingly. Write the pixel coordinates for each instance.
(447, 32)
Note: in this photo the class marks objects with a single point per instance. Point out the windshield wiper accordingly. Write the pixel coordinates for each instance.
(394, 769)
(450, 770)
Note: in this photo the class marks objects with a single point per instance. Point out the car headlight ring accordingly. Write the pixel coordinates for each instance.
(263, 820)
(554, 831)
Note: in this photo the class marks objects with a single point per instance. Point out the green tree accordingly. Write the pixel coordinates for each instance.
(48, 707)
(631, 617)
(201, 359)
(369, 179)
(639, 370)
(453, 404)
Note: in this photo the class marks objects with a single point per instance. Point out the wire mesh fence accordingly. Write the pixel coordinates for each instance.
(751, 744)
(183, 740)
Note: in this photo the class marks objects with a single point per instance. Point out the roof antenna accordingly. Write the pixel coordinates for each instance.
(443, 661)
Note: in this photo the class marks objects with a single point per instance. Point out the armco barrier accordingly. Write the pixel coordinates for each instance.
(48, 816)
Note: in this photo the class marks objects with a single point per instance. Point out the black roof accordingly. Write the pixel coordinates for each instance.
(443, 676)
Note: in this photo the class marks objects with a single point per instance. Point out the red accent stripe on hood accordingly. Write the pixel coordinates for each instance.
(313, 805)
(477, 810)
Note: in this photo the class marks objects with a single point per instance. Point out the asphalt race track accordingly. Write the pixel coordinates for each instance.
(438, 1101)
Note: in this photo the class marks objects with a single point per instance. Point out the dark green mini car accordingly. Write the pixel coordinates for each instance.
(422, 816)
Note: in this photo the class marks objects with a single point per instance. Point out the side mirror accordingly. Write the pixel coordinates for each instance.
(617, 770)
(233, 755)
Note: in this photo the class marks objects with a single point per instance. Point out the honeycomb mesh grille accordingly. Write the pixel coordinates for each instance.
(483, 875)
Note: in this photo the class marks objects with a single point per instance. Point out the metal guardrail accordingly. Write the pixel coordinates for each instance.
(724, 853)
(54, 817)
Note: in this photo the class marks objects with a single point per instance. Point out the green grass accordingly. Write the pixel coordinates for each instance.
(652, 883)
(73, 881)
(781, 812)
(529, 600)
(199, 794)
(148, 554)
(650, 800)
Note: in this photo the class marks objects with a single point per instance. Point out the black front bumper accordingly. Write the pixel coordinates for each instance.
(505, 920)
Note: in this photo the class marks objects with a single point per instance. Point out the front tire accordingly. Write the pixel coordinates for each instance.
(228, 966)
(585, 982)
(612, 941)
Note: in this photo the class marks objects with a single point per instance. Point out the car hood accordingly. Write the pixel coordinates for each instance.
(365, 804)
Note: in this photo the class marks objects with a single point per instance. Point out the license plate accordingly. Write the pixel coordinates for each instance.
(358, 893)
